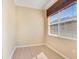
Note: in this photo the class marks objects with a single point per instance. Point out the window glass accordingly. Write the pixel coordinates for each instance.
(53, 27)
(69, 12)
(68, 28)
(53, 18)
(64, 23)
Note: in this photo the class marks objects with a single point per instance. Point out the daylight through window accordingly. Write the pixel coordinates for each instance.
(64, 23)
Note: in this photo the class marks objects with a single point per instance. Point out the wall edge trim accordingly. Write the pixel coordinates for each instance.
(40, 44)
(31, 45)
(57, 51)
(12, 53)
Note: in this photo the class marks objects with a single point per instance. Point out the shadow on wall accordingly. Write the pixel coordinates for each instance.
(41, 56)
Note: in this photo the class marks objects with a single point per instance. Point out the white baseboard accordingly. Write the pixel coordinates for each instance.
(24, 46)
(30, 45)
(12, 53)
(65, 57)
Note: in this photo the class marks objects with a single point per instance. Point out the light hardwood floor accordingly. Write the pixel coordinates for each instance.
(37, 52)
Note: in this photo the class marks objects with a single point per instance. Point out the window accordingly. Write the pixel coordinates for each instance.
(64, 23)
(53, 26)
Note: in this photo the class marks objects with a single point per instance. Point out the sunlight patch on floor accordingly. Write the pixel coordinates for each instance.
(41, 56)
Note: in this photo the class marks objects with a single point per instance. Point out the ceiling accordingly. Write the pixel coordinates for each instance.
(37, 4)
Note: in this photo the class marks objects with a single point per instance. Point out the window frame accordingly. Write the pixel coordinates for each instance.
(59, 18)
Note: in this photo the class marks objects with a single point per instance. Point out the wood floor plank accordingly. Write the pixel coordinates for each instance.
(37, 52)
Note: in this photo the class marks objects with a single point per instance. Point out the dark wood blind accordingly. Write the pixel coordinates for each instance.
(58, 6)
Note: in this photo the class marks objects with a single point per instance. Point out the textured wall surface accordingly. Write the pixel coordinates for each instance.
(30, 26)
(9, 28)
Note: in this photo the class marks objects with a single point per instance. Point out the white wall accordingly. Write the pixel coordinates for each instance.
(30, 26)
(9, 28)
(65, 46)
(21, 26)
